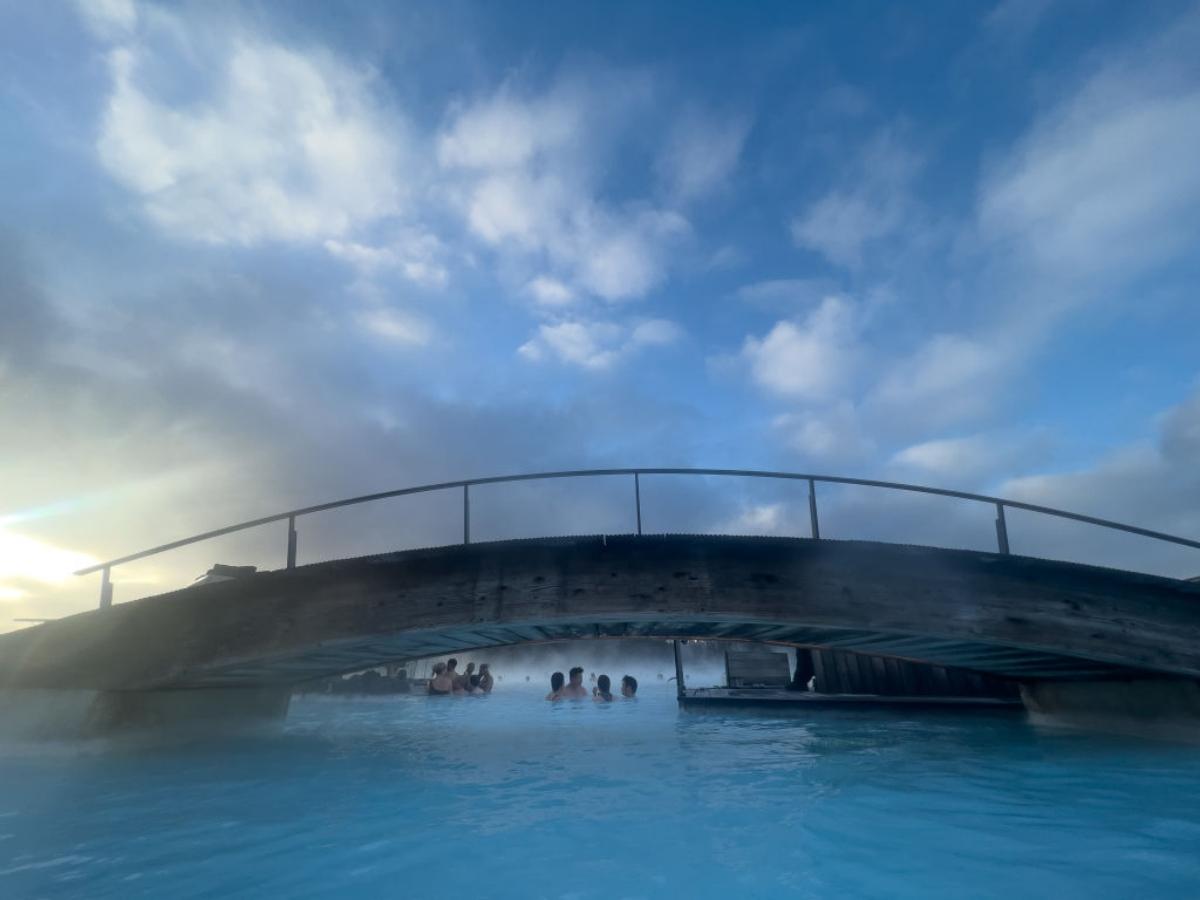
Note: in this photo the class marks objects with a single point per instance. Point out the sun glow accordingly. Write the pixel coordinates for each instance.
(26, 559)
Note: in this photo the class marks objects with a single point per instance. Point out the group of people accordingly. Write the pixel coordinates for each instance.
(601, 690)
(447, 680)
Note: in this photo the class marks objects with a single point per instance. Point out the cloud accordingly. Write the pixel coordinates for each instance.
(808, 359)
(547, 291)
(108, 18)
(701, 152)
(826, 433)
(395, 325)
(597, 345)
(949, 378)
(1105, 183)
(526, 171)
(872, 203)
(275, 145)
(969, 459)
(414, 254)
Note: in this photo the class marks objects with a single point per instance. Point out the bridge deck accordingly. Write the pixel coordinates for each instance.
(1018, 617)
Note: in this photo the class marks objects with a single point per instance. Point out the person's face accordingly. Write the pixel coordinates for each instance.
(626, 690)
(576, 678)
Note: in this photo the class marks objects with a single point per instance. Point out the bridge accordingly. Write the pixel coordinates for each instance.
(1043, 623)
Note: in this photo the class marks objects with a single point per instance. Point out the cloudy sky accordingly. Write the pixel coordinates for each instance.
(254, 256)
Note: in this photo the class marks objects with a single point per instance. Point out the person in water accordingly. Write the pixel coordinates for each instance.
(556, 687)
(473, 686)
(629, 687)
(464, 680)
(441, 682)
(574, 689)
(602, 692)
(485, 678)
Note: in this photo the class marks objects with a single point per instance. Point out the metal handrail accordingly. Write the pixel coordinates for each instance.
(467, 483)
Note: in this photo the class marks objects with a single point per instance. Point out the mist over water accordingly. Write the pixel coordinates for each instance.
(510, 796)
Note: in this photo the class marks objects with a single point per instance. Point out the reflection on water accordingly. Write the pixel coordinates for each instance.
(509, 796)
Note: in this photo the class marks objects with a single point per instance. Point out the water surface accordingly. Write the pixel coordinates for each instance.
(508, 796)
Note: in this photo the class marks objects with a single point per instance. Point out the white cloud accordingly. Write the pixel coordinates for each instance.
(526, 174)
(831, 433)
(872, 204)
(949, 378)
(108, 18)
(810, 359)
(547, 291)
(396, 326)
(701, 153)
(280, 146)
(416, 255)
(757, 518)
(1106, 182)
(971, 458)
(596, 345)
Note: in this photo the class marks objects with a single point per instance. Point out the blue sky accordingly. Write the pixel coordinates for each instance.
(258, 255)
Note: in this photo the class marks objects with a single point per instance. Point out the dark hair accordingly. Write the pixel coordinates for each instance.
(474, 681)
(556, 681)
(631, 681)
(604, 684)
(451, 663)
(578, 670)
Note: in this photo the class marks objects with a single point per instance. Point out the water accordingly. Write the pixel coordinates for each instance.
(509, 796)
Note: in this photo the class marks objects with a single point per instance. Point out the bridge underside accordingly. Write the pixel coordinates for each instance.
(351, 656)
(1026, 619)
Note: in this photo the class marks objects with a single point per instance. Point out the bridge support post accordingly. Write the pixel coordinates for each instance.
(1001, 529)
(812, 510)
(291, 547)
(106, 589)
(466, 514)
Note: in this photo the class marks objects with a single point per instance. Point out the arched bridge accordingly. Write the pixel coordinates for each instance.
(1028, 619)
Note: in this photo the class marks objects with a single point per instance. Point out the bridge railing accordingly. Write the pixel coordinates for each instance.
(465, 485)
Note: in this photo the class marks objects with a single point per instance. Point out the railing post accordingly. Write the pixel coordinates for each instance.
(812, 510)
(679, 688)
(106, 589)
(637, 499)
(291, 551)
(466, 514)
(1001, 529)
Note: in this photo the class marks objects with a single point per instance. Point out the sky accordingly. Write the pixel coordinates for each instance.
(255, 256)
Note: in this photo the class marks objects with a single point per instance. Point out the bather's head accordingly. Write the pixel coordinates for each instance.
(577, 676)
(439, 668)
(556, 681)
(451, 664)
(628, 686)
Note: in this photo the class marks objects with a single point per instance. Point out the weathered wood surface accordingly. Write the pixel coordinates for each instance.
(1014, 616)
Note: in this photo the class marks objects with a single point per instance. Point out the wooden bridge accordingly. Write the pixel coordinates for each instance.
(1031, 620)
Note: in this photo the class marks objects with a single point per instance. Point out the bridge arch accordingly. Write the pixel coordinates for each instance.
(1022, 618)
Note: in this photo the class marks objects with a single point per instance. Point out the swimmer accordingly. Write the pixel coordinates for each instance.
(602, 692)
(485, 678)
(556, 686)
(473, 686)
(441, 682)
(629, 687)
(464, 680)
(575, 689)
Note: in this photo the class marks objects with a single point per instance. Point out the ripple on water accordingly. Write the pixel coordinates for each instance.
(509, 796)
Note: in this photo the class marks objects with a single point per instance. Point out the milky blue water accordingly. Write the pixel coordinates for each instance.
(509, 796)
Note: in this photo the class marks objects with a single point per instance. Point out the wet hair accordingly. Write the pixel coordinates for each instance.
(483, 667)
(451, 663)
(631, 681)
(556, 681)
(578, 670)
(439, 668)
(604, 684)
(470, 667)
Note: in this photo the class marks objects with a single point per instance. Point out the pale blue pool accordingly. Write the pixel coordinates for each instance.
(508, 796)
